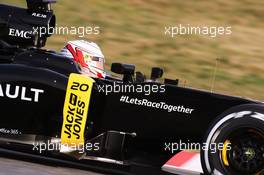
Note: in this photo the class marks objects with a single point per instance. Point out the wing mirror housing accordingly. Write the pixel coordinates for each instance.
(127, 70)
(156, 73)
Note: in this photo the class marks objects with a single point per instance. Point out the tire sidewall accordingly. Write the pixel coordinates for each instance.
(240, 116)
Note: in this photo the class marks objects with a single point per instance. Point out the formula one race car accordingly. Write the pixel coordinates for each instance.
(126, 125)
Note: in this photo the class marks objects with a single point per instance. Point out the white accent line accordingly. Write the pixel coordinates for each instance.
(258, 115)
(211, 134)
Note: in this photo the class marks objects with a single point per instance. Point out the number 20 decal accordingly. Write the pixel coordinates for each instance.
(81, 87)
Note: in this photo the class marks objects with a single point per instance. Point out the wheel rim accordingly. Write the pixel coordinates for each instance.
(247, 152)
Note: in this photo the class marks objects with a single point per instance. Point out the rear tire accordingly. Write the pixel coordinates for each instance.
(238, 135)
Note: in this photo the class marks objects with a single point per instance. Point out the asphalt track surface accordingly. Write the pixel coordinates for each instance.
(21, 163)
(18, 167)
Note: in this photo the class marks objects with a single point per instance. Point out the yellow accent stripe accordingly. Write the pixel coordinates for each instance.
(224, 152)
(75, 110)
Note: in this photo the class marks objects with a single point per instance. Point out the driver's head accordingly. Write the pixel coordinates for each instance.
(88, 55)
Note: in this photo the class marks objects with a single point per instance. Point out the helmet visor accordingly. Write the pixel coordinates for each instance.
(95, 62)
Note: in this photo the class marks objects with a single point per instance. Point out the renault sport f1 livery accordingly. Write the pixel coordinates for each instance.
(50, 109)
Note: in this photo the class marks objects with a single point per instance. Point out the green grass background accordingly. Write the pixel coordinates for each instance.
(132, 31)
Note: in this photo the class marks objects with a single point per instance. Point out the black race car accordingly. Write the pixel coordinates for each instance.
(50, 111)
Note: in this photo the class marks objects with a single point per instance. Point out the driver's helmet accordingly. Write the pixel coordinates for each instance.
(88, 55)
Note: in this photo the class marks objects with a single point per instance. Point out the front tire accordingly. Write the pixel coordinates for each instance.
(238, 135)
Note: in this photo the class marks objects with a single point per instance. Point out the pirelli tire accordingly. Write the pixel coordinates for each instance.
(238, 135)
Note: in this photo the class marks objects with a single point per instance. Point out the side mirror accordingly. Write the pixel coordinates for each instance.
(128, 70)
(156, 73)
(140, 77)
(123, 68)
